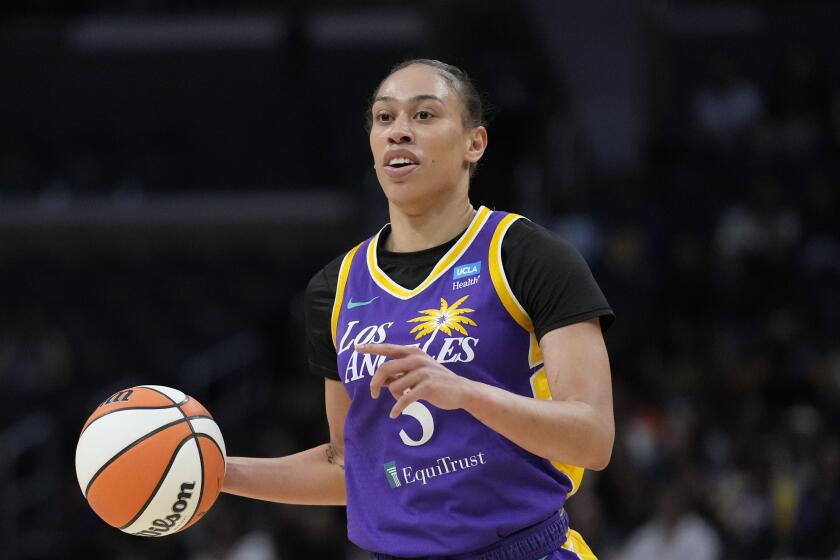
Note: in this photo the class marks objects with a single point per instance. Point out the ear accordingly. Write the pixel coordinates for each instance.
(476, 144)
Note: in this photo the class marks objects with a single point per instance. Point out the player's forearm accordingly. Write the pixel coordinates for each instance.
(312, 477)
(571, 432)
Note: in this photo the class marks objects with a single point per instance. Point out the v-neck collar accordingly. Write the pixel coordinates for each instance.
(448, 259)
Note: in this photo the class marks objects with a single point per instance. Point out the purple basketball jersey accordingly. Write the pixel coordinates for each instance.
(438, 482)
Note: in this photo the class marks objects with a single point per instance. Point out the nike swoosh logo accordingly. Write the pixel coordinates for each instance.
(352, 304)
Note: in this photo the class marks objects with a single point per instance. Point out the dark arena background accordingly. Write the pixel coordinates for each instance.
(173, 173)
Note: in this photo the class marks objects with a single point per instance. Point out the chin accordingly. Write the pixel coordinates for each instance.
(412, 190)
(403, 195)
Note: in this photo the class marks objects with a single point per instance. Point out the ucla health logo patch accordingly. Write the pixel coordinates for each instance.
(465, 275)
(466, 270)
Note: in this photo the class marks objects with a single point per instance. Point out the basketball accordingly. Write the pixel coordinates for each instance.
(150, 460)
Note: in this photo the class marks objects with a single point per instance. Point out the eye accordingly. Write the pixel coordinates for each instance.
(424, 115)
(383, 117)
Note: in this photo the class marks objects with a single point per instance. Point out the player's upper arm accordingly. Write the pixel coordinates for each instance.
(337, 402)
(578, 369)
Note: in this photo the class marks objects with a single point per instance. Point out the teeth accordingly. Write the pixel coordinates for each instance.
(397, 160)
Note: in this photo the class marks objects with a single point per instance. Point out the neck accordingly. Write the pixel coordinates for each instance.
(417, 230)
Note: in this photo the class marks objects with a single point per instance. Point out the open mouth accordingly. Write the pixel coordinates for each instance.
(400, 162)
(400, 166)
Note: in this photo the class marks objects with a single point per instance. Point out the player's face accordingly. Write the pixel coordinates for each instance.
(419, 143)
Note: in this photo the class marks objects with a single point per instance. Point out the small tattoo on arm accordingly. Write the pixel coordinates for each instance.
(331, 457)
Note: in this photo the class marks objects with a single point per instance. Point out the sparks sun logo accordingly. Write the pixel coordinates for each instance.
(457, 344)
(447, 319)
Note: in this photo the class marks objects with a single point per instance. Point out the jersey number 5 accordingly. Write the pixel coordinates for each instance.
(422, 414)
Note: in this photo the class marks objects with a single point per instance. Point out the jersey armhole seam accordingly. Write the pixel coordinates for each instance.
(500, 280)
(343, 276)
(504, 292)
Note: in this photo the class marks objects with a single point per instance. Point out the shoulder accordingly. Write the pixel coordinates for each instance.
(325, 281)
(319, 299)
(536, 241)
(550, 278)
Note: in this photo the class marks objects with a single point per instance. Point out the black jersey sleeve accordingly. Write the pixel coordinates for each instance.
(318, 303)
(551, 279)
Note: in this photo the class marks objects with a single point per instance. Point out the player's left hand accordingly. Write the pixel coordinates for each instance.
(410, 374)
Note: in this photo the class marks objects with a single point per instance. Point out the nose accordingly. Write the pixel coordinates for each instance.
(400, 131)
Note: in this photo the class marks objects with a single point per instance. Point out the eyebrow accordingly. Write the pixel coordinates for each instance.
(421, 97)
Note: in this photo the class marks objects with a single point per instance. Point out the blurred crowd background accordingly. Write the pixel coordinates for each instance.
(173, 173)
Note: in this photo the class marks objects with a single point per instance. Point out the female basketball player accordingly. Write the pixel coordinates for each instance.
(467, 381)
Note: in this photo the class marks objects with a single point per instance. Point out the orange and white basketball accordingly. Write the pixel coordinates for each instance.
(150, 460)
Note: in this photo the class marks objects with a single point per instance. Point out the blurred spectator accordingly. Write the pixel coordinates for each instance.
(763, 230)
(818, 509)
(727, 105)
(676, 531)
